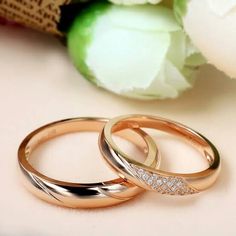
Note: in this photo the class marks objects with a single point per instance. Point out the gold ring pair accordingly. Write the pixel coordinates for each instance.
(134, 177)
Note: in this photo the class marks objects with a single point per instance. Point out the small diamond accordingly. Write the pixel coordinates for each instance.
(150, 180)
(155, 177)
(180, 183)
(156, 183)
(159, 182)
(164, 187)
(145, 176)
(140, 172)
(164, 180)
(173, 188)
(171, 182)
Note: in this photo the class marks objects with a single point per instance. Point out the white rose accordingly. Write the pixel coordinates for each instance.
(211, 24)
(139, 51)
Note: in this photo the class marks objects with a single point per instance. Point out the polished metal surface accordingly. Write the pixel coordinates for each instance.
(79, 195)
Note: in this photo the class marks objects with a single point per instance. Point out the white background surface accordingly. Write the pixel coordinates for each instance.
(38, 84)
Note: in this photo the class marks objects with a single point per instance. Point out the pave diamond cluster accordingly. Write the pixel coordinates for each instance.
(163, 184)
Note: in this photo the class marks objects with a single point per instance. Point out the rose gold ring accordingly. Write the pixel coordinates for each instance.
(79, 195)
(154, 179)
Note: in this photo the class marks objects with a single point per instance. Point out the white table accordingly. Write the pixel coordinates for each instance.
(39, 84)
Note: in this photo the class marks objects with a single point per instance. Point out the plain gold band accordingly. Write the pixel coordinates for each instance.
(155, 179)
(78, 195)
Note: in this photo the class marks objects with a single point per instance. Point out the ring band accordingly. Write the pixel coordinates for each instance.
(155, 179)
(78, 195)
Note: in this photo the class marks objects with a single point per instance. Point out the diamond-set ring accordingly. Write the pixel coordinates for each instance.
(151, 177)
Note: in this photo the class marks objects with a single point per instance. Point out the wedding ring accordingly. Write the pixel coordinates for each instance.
(154, 179)
(79, 195)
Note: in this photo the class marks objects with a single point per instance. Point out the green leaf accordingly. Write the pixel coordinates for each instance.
(80, 36)
(180, 9)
